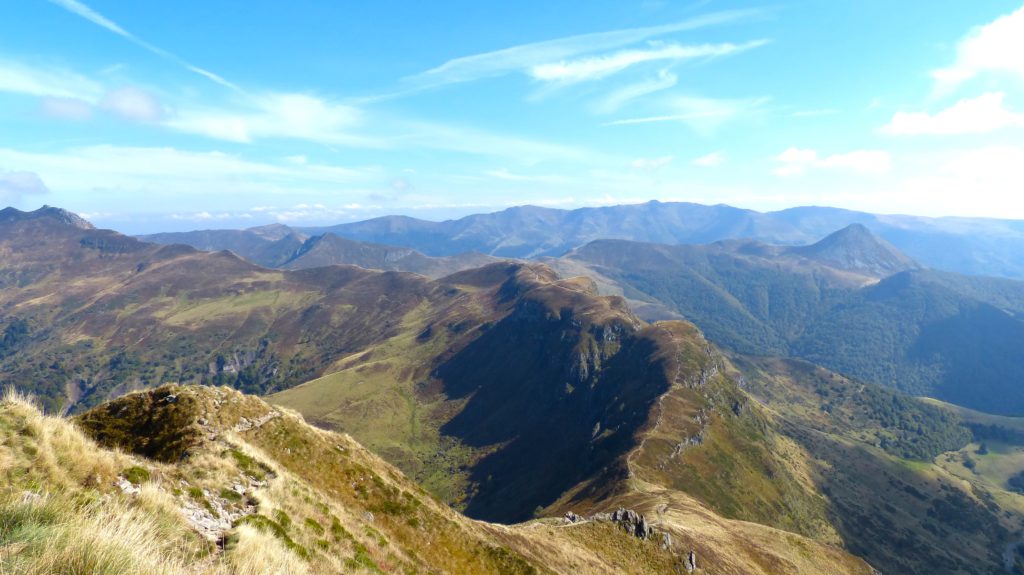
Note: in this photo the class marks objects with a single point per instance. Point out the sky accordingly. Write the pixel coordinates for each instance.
(161, 116)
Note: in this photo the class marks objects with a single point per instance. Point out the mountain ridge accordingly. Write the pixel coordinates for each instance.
(976, 246)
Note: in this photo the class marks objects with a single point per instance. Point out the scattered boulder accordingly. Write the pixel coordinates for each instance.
(691, 562)
(634, 523)
(126, 487)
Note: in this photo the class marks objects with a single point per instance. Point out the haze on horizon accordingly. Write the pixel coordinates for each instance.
(166, 116)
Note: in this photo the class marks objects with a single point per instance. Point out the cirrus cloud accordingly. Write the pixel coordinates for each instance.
(598, 67)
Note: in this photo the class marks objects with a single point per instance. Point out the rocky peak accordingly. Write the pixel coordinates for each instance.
(12, 215)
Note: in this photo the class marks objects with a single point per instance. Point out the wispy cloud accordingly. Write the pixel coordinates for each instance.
(598, 67)
(66, 108)
(651, 164)
(504, 174)
(712, 160)
(275, 115)
(40, 80)
(618, 98)
(814, 113)
(16, 185)
(797, 161)
(134, 104)
(527, 56)
(704, 115)
(80, 9)
(469, 140)
(980, 115)
(994, 47)
(126, 172)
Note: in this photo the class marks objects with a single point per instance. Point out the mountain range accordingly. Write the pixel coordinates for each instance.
(508, 392)
(973, 246)
(851, 301)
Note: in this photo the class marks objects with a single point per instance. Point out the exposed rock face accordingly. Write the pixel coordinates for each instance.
(691, 562)
(637, 525)
(632, 522)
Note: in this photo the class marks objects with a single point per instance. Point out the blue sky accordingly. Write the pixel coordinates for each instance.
(148, 116)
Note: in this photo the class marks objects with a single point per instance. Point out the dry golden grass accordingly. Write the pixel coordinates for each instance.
(261, 554)
(322, 504)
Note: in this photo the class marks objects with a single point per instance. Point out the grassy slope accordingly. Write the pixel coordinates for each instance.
(902, 515)
(314, 502)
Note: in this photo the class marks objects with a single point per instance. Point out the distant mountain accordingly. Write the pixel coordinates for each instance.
(13, 215)
(278, 246)
(329, 249)
(268, 246)
(850, 302)
(974, 246)
(856, 249)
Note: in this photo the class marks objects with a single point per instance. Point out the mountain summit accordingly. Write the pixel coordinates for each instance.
(854, 248)
(9, 215)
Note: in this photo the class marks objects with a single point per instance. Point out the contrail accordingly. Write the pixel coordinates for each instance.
(80, 9)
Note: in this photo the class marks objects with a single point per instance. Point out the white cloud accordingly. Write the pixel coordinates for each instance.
(797, 161)
(980, 182)
(994, 47)
(712, 160)
(275, 115)
(127, 172)
(980, 115)
(651, 164)
(46, 81)
(597, 67)
(67, 108)
(527, 56)
(134, 104)
(16, 185)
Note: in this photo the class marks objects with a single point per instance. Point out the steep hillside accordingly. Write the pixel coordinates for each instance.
(559, 377)
(849, 302)
(209, 481)
(882, 461)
